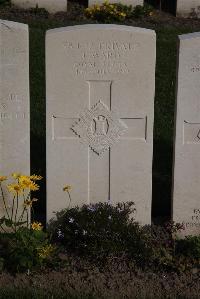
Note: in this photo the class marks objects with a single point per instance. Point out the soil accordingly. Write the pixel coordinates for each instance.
(116, 281)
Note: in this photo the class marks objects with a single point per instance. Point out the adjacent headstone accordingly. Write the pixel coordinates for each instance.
(126, 2)
(100, 98)
(52, 6)
(188, 8)
(14, 99)
(186, 200)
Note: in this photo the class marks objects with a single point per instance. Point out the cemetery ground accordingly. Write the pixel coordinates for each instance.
(69, 275)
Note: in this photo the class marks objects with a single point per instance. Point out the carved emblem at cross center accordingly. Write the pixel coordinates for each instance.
(99, 127)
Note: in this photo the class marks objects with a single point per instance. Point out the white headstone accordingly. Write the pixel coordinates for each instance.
(52, 6)
(186, 200)
(125, 2)
(100, 98)
(14, 99)
(188, 8)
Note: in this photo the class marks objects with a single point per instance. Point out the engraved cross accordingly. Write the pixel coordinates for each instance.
(100, 128)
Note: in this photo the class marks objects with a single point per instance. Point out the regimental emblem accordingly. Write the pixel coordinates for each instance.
(99, 127)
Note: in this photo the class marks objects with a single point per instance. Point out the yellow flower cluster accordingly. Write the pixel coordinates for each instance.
(36, 226)
(45, 251)
(105, 9)
(22, 183)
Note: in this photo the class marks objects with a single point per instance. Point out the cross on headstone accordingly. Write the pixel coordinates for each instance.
(191, 132)
(135, 128)
(100, 91)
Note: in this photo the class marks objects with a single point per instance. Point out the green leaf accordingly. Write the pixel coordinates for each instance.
(8, 222)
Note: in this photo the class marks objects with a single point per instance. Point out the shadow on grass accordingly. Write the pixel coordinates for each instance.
(162, 181)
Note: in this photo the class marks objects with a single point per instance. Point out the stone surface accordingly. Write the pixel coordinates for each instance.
(100, 97)
(14, 99)
(186, 201)
(52, 6)
(188, 8)
(126, 2)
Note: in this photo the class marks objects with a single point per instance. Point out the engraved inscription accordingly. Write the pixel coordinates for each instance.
(100, 58)
(99, 128)
(14, 115)
(10, 56)
(10, 103)
(12, 97)
(195, 220)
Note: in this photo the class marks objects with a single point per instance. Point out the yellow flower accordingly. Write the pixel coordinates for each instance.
(45, 251)
(25, 181)
(36, 226)
(67, 188)
(3, 178)
(16, 175)
(122, 14)
(15, 188)
(33, 186)
(35, 177)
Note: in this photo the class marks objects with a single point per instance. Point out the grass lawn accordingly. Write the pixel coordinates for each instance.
(167, 28)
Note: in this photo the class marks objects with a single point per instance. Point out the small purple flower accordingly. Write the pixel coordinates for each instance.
(60, 234)
(71, 220)
(91, 208)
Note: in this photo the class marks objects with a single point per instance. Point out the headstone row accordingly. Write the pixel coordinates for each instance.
(100, 98)
(53, 6)
(184, 8)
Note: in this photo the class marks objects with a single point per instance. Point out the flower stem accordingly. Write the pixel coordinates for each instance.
(4, 202)
(70, 199)
(16, 211)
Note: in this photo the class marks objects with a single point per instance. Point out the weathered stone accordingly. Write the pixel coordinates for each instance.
(52, 6)
(188, 8)
(126, 2)
(100, 96)
(14, 100)
(186, 202)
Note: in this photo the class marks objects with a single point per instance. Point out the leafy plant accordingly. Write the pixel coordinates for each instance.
(189, 247)
(142, 11)
(23, 245)
(25, 249)
(98, 230)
